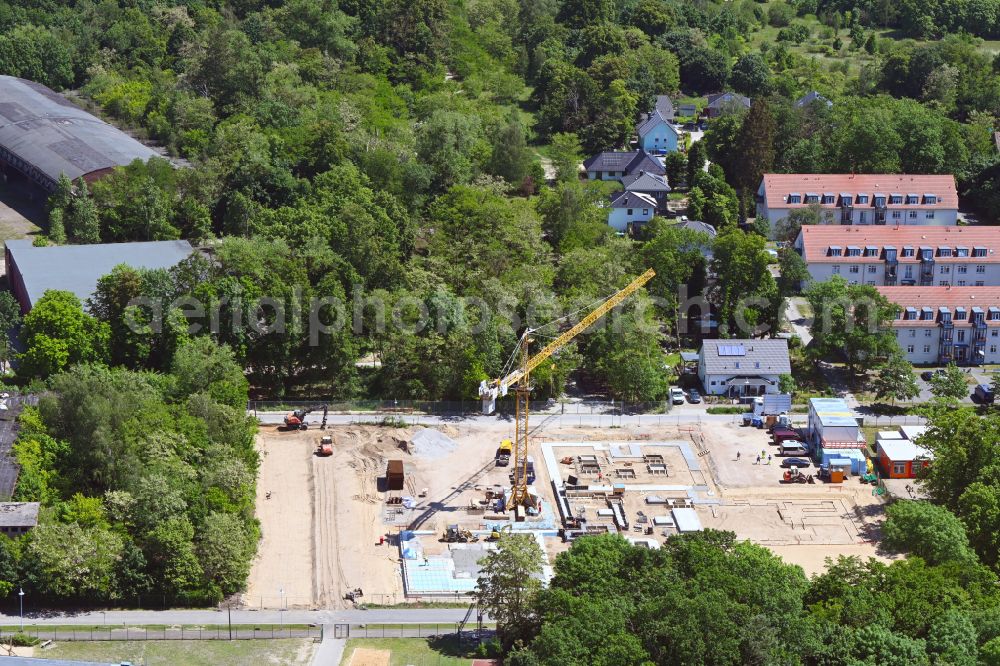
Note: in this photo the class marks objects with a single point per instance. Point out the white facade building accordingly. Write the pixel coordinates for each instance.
(904, 256)
(878, 199)
(739, 368)
(940, 325)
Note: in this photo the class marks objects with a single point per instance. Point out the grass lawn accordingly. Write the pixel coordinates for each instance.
(282, 652)
(412, 651)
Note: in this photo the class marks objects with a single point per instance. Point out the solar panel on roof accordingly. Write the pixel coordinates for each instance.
(732, 350)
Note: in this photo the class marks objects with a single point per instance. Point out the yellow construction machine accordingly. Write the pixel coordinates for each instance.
(489, 391)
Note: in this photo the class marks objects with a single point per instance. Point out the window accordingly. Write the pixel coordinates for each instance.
(961, 251)
(897, 214)
(960, 283)
(629, 211)
(871, 251)
(960, 314)
(909, 349)
(908, 271)
(899, 468)
(912, 199)
(927, 349)
(944, 283)
(862, 198)
(907, 251)
(995, 333)
(993, 349)
(927, 333)
(794, 198)
(863, 217)
(945, 270)
(854, 252)
(929, 215)
(962, 269)
(980, 268)
(836, 270)
(896, 199)
(870, 283)
(827, 198)
(879, 202)
(913, 333)
(913, 214)
(961, 336)
(645, 211)
(980, 283)
(872, 269)
(854, 268)
(944, 251)
(930, 199)
(979, 252)
(812, 198)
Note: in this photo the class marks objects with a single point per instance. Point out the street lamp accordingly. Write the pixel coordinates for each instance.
(20, 595)
(281, 610)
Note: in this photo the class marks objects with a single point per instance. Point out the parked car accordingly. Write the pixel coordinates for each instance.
(983, 394)
(790, 447)
(795, 462)
(928, 375)
(693, 396)
(676, 395)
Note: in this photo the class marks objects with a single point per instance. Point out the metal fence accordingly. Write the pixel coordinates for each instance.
(403, 408)
(409, 630)
(167, 633)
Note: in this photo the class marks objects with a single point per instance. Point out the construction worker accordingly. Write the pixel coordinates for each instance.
(737, 456)
(768, 458)
(758, 460)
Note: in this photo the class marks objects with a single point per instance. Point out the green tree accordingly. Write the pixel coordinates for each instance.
(793, 271)
(454, 146)
(928, 531)
(512, 159)
(573, 215)
(787, 384)
(787, 228)
(675, 164)
(745, 291)
(57, 333)
(851, 320)
(83, 224)
(225, 550)
(507, 585)
(57, 231)
(751, 76)
(894, 380)
(70, 561)
(949, 386)
(696, 158)
(566, 155)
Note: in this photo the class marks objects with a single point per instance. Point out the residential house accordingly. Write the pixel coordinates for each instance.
(940, 325)
(657, 134)
(702, 228)
(628, 209)
(738, 368)
(615, 165)
(901, 458)
(648, 183)
(903, 256)
(861, 198)
(664, 106)
(809, 98)
(687, 110)
(726, 103)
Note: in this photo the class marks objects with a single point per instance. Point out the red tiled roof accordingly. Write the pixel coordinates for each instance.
(817, 239)
(949, 297)
(777, 187)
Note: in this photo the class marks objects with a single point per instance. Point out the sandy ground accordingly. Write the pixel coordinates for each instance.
(326, 517)
(370, 657)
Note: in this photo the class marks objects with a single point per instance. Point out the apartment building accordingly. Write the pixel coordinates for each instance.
(939, 325)
(877, 199)
(902, 256)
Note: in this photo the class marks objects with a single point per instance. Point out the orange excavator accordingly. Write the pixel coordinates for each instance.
(296, 420)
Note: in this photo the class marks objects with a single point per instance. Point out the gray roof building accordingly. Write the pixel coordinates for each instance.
(646, 182)
(31, 271)
(43, 135)
(746, 357)
(700, 227)
(665, 107)
(624, 162)
(726, 102)
(632, 200)
(16, 518)
(811, 97)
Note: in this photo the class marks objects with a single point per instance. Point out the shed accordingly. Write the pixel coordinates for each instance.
(686, 520)
(16, 518)
(394, 475)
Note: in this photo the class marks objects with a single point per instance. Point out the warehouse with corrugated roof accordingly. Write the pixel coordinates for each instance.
(43, 135)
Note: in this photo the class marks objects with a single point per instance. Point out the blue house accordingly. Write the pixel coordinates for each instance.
(656, 134)
(629, 209)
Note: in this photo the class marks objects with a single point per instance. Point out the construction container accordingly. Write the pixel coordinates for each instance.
(836, 476)
(394, 475)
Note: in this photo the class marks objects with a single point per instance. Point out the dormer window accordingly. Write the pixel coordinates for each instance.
(961, 251)
(907, 251)
(959, 314)
(926, 254)
(926, 314)
(794, 198)
(979, 251)
(895, 198)
(911, 314)
(812, 198)
(930, 199)
(944, 315)
(828, 198)
(846, 199)
(853, 251)
(912, 199)
(879, 200)
(862, 199)
(944, 251)
(871, 251)
(834, 251)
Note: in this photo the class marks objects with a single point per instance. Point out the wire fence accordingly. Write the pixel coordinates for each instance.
(408, 630)
(405, 408)
(165, 633)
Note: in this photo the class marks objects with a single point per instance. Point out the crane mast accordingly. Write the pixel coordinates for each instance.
(520, 378)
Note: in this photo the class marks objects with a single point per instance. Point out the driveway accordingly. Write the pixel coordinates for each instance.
(797, 321)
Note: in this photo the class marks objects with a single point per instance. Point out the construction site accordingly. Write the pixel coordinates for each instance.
(382, 514)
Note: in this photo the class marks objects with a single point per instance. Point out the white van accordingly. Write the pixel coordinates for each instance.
(791, 447)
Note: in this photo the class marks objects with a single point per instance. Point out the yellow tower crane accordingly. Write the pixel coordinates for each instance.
(489, 391)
